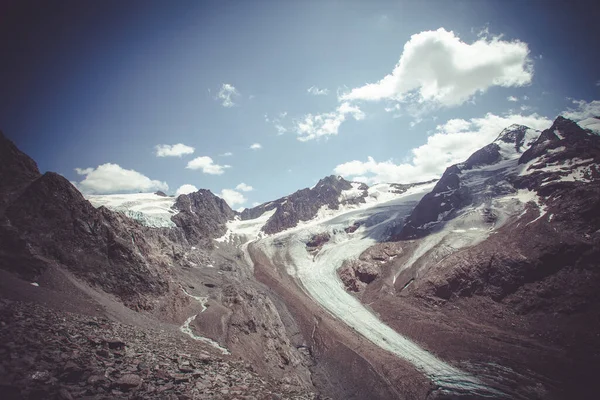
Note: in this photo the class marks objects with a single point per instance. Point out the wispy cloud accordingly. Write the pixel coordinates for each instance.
(583, 110)
(226, 154)
(312, 127)
(317, 92)
(207, 165)
(512, 98)
(175, 150)
(256, 146)
(226, 95)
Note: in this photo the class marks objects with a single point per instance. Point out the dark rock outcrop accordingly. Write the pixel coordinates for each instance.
(357, 274)
(17, 170)
(51, 222)
(304, 204)
(202, 216)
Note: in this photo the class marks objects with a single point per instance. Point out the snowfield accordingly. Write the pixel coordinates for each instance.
(318, 277)
(147, 208)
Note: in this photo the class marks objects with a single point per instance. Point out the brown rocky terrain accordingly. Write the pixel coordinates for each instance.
(152, 278)
(49, 354)
(494, 273)
(522, 304)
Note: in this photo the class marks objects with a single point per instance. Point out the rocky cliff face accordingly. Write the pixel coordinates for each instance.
(508, 273)
(304, 204)
(17, 170)
(487, 173)
(49, 233)
(202, 216)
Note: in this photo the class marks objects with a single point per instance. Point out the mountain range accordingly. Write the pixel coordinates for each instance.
(482, 284)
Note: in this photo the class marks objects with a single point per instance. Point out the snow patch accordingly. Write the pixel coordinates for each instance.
(147, 208)
(351, 193)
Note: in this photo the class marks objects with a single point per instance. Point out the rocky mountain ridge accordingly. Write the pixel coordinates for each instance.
(55, 239)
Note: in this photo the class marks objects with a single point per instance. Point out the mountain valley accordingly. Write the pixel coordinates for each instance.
(482, 284)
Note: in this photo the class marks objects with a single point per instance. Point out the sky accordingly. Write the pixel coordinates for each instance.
(255, 100)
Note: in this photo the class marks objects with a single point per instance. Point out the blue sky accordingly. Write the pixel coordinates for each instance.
(89, 89)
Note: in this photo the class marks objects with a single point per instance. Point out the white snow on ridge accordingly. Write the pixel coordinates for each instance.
(249, 229)
(351, 193)
(148, 208)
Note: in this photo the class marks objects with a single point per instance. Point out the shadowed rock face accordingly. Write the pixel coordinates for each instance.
(304, 204)
(468, 183)
(17, 170)
(202, 216)
(51, 222)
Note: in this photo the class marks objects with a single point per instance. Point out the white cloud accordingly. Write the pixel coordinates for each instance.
(280, 129)
(256, 203)
(395, 107)
(277, 123)
(226, 93)
(452, 142)
(317, 92)
(583, 110)
(512, 98)
(525, 107)
(244, 188)
(227, 154)
(207, 165)
(111, 178)
(315, 126)
(232, 197)
(437, 67)
(256, 146)
(176, 150)
(82, 171)
(186, 189)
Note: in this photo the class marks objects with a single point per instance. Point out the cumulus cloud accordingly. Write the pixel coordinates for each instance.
(112, 178)
(583, 110)
(226, 154)
(84, 171)
(317, 92)
(232, 197)
(512, 98)
(226, 95)
(207, 165)
(176, 150)
(244, 188)
(256, 146)
(452, 142)
(186, 189)
(315, 126)
(438, 67)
